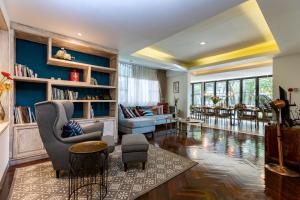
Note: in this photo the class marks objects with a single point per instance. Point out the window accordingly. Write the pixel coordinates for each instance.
(138, 85)
(221, 91)
(233, 92)
(209, 92)
(266, 86)
(197, 94)
(249, 92)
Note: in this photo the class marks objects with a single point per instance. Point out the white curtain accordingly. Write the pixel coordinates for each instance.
(138, 85)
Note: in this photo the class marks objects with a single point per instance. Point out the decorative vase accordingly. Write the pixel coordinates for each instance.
(2, 112)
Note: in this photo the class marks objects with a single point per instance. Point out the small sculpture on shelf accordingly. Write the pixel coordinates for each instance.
(62, 54)
(4, 87)
(94, 81)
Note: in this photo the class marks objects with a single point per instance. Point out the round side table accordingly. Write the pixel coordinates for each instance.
(88, 170)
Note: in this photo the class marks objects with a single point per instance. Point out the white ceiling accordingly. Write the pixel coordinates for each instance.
(228, 31)
(283, 17)
(124, 25)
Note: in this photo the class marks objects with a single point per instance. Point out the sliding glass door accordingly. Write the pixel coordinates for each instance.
(266, 86)
(221, 91)
(209, 89)
(234, 87)
(249, 92)
(197, 94)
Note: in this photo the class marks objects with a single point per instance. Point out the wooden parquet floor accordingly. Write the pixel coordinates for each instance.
(231, 166)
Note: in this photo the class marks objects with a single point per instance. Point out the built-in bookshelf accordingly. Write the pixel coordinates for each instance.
(39, 76)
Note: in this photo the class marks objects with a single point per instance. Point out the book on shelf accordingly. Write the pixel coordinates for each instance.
(58, 94)
(24, 71)
(23, 115)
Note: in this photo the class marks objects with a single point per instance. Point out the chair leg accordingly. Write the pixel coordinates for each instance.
(57, 173)
(125, 167)
(144, 164)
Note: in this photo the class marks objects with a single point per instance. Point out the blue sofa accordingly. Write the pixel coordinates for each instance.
(138, 125)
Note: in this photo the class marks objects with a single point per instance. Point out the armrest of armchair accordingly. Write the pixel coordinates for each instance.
(83, 138)
(96, 127)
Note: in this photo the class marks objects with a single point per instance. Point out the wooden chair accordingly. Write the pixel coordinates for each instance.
(244, 113)
(222, 113)
(208, 113)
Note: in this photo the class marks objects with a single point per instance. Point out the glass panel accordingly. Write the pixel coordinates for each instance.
(233, 92)
(221, 92)
(197, 94)
(266, 86)
(249, 88)
(209, 92)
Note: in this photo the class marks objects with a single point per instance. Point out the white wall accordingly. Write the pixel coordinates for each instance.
(286, 73)
(184, 90)
(261, 71)
(4, 151)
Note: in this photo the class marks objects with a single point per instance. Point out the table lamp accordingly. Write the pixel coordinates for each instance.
(277, 105)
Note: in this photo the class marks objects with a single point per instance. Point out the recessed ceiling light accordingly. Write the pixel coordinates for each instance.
(79, 34)
(202, 43)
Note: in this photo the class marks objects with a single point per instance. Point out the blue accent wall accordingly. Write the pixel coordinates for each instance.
(101, 109)
(102, 78)
(34, 56)
(27, 94)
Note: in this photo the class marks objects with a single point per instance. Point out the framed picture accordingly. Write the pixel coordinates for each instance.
(176, 87)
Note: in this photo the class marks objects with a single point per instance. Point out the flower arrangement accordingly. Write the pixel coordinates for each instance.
(215, 99)
(4, 83)
(4, 87)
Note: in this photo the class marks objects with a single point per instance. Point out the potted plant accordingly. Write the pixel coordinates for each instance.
(4, 87)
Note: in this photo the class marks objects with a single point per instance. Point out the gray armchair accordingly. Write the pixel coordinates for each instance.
(51, 116)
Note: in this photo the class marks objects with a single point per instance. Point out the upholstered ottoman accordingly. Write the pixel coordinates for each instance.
(134, 149)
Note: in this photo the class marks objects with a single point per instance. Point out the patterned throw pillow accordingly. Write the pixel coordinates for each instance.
(71, 128)
(147, 113)
(136, 112)
(132, 115)
(125, 111)
(140, 110)
(166, 107)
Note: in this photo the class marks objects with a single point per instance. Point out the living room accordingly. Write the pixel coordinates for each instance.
(149, 99)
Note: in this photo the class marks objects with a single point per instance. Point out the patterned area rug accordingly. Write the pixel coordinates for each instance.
(38, 182)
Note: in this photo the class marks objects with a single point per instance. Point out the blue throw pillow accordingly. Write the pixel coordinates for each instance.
(147, 113)
(70, 129)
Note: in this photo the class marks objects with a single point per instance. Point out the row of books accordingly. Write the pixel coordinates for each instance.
(24, 115)
(24, 71)
(58, 94)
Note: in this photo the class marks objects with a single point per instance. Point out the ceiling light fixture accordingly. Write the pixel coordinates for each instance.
(202, 43)
(79, 34)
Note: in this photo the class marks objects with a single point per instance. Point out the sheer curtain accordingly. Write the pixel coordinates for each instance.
(138, 85)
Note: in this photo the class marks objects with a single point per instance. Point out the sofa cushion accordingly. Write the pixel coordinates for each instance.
(160, 117)
(137, 122)
(134, 143)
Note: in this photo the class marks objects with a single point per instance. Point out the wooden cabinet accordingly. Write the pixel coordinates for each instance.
(27, 144)
(290, 143)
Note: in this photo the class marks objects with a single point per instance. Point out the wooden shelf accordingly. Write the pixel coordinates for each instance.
(32, 80)
(77, 65)
(25, 124)
(87, 101)
(79, 84)
(61, 82)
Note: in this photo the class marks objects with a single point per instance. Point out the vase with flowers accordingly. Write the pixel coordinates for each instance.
(215, 99)
(4, 87)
